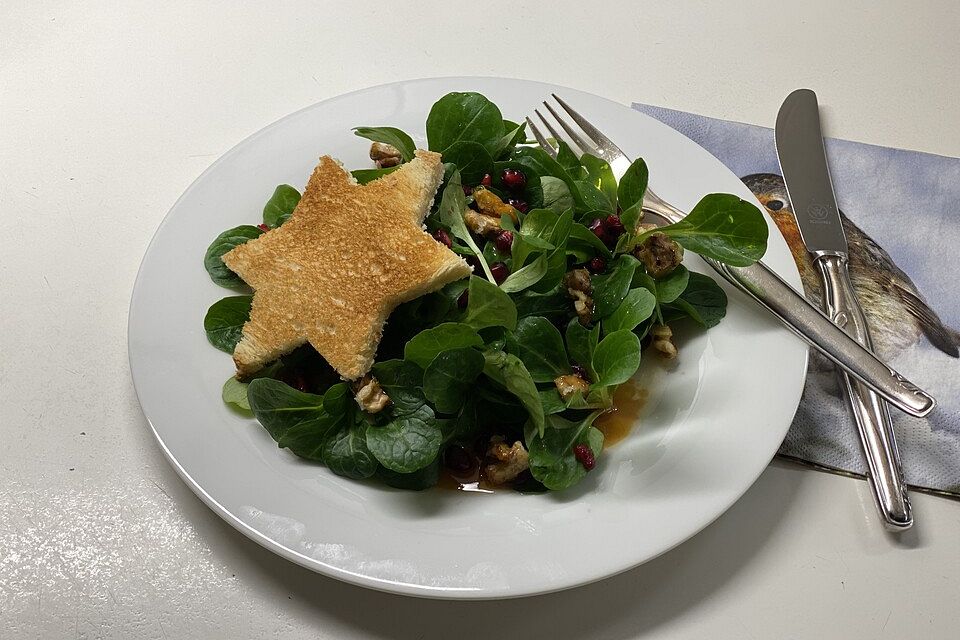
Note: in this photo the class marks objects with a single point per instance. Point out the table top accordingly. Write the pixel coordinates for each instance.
(108, 112)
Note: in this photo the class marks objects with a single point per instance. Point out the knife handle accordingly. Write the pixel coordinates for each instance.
(870, 413)
(808, 322)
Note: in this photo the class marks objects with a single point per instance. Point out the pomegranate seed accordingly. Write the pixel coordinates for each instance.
(580, 372)
(504, 241)
(614, 225)
(467, 191)
(597, 265)
(463, 299)
(607, 229)
(443, 238)
(519, 205)
(514, 179)
(584, 456)
(263, 227)
(499, 271)
(599, 229)
(487, 180)
(459, 460)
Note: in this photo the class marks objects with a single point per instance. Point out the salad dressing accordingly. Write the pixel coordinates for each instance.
(628, 401)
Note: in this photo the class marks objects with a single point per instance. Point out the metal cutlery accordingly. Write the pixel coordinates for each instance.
(757, 280)
(807, 176)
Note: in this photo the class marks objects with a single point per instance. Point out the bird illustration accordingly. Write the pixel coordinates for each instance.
(897, 313)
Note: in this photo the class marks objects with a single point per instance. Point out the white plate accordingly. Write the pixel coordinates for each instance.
(710, 427)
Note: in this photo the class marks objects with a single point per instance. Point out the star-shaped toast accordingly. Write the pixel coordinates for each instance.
(344, 260)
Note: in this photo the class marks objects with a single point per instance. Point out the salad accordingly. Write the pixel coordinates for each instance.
(503, 374)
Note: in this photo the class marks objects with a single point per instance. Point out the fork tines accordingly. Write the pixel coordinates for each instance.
(601, 145)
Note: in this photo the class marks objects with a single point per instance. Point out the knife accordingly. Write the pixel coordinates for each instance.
(807, 177)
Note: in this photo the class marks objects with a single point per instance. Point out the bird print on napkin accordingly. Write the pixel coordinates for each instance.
(897, 313)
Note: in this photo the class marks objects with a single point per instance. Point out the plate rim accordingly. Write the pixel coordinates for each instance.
(345, 575)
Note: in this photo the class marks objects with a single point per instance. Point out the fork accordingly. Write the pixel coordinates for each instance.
(758, 280)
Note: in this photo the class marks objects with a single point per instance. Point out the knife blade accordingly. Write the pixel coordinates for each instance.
(806, 174)
(803, 159)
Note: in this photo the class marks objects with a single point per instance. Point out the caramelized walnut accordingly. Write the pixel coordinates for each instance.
(659, 254)
(570, 384)
(385, 155)
(481, 224)
(579, 288)
(663, 341)
(509, 462)
(370, 395)
(489, 204)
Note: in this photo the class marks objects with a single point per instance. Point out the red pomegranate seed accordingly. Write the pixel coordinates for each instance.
(580, 372)
(584, 456)
(487, 180)
(519, 205)
(443, 238)
(263, 227)
(597, 265)
(614, 225)
(467, 191)
(499, 271)
(514, 179)
(504, 241)
(598, 228)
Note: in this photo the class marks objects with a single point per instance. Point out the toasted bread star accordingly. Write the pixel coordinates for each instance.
(344, 260)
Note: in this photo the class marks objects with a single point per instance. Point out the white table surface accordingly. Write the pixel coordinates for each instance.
(109, 110)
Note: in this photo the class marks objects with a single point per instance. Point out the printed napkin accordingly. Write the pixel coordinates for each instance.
(904, 223)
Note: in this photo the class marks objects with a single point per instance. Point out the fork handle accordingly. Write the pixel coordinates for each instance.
(808, 322)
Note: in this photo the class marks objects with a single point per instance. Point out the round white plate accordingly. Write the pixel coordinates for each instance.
(710, 427)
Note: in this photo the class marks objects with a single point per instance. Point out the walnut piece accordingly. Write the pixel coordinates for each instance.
(489, 204)
(480, 224)
(579, 288)
(509, 462)
(370, 395)
(569, 384)
(659, 254)
(583, 307)
(663, 341)
(385, 155)
(578, 280)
